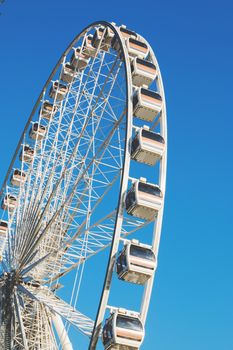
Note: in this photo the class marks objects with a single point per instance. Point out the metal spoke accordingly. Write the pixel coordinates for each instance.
(47, 298)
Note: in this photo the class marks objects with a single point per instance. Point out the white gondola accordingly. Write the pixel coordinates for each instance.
(125, 33)
(48, 110)
(18, 177)
(147, 146)
(97, 37)
(3, 236)
(58, 91)
(143, 72)
(137, 48)
(109, 34)
(123, 330)
(37, 131)
(143, 200)
(104, 34)
(147, 104)
(88, 49)
(26, 154)
(9, 202)
(78, 59)
(68, 73)
(3, 228)
(136, 263)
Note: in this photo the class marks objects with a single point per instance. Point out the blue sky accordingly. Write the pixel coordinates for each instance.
(192, 304)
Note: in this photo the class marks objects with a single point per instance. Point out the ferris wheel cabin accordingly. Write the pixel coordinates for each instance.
(137, 48)
(147, 104)
(147, 146)
(143, 72)
(3, 228)
(26, 154)
(125, 33)
(143, 200)
(108, 36)
(88, 49)
(123, 330)
(104, 34)
(68, 73)
(9, 202)
(18, 177)
(3, 236)
(58, 91)
(78, 59)
(37, 131)
(136, 263)
(48, 110)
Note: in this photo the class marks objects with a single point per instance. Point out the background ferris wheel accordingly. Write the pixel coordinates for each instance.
(87, 175)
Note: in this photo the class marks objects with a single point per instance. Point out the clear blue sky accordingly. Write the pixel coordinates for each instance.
(192, 302)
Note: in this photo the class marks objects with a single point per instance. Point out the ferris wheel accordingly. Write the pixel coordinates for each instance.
(88, 176)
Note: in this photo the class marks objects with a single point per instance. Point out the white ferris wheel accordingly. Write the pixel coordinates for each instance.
(88, 176)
